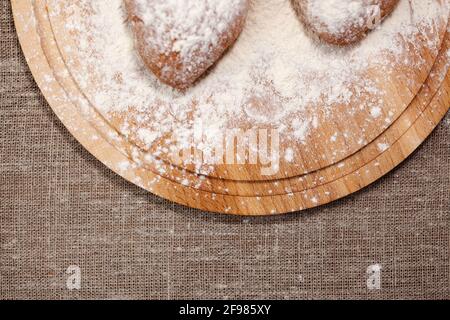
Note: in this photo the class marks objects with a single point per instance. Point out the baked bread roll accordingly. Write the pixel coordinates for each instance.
(342, 22)
(179, 40)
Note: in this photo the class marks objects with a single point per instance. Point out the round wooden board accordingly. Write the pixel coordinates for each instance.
(413, 133)
(243, 188)
(261, 188)
(345, 131)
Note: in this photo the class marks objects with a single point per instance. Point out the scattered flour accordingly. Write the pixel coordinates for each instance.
(275, 75)
(337, 16)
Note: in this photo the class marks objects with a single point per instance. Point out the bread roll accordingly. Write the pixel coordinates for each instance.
(179, 40)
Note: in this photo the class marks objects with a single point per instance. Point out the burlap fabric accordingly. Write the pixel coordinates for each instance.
(61, 207)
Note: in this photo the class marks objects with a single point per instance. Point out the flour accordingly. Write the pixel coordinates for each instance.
(275, 75)
(336, 16)
(187, 26)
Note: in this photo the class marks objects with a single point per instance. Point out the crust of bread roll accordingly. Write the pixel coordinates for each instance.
(352, 34)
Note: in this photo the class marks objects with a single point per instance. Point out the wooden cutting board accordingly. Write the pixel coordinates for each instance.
(281, 186)
(338, 133)
(240, 197)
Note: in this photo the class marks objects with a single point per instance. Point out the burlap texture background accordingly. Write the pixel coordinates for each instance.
(61, 207)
